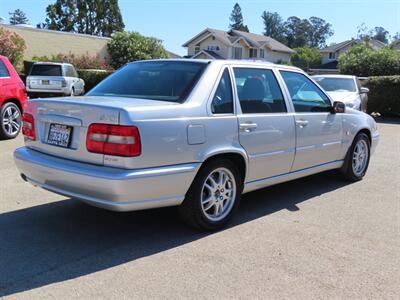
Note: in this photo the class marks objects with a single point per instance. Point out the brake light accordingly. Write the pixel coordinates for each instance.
(63, 83)
(28, 126)
(114, 140)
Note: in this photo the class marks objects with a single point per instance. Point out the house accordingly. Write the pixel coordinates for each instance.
(44, 42)
(234, 44)
(331, 54)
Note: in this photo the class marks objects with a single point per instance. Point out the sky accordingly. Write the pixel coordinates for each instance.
(176, 21)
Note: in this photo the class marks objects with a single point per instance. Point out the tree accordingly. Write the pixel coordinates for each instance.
(319, 32)
(236, 19)
(273, 26)
(125, 47)
(306, 58)
(12, 45)
(18, 17)
(381, 34)
(297, 32)
(95, 17)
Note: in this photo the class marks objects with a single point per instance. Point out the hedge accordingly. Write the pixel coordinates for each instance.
(384, 95)
(92, 77)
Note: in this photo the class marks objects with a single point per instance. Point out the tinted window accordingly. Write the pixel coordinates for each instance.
(331, 84)
(3, 70)
(223, 99)
(46, 70)
(153, 80)
(70, 71)
(306, 96)
(258, 91)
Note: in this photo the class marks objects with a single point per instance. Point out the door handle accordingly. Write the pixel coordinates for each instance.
(247, 127)
(301, 123)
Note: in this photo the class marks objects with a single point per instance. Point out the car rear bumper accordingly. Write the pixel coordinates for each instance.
(105, 187)
(60, 91)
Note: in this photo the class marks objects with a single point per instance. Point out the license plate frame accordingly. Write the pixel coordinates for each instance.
(59, 135)
(46, 82)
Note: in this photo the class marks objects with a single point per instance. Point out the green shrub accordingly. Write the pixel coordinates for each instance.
(306, 58)
(384, 95)
(125, 47)
(84, 61)
(92, 77)
(13, 46)
(362, 60)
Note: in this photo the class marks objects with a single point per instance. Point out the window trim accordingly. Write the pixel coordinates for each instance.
(285, 88)
(214, 90)
(282, 87)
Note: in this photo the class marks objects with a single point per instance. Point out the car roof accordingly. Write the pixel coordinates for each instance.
(51, 63)
(334, 76)
(243, 62)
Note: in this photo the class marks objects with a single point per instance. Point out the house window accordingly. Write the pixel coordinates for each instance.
(213, 48)
(196, 49)
(237, 52)
(252, 53)
(332, 55)
(262, 53)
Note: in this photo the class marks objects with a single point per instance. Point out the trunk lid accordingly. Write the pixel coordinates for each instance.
(76, 114)
(45, 82)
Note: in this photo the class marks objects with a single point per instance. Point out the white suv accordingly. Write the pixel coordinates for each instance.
(55, 79)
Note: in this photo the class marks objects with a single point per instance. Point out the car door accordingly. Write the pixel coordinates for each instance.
(318, 130)
(266, 129)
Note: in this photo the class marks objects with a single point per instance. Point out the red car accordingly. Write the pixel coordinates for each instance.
(12, 99)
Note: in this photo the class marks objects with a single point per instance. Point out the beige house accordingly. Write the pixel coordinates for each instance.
(331, 54)
(234, 44)
(43, 42)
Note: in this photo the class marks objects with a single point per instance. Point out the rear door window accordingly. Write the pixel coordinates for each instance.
(46, 70)
(258, 91)
(3, 70)
(70, 71)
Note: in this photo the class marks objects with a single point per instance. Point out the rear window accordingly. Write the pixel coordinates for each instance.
(154, 80)
(46, 70)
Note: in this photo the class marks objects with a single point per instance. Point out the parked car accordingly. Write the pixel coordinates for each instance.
(193, 133)
(48, 78)
(12, 99)
(345, 88)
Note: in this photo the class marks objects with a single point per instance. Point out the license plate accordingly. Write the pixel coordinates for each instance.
(59, 135)
(46, 82)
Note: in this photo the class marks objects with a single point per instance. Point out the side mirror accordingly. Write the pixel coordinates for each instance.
(364, 90)
(338, 107)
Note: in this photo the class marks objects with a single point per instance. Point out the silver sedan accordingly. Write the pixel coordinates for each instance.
(191, 133)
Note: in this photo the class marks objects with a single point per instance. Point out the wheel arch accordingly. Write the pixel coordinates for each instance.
(13, 100)
(367, 132)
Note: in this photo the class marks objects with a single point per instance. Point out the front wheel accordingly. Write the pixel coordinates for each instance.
(357, 158)
(213, 196)
(10, 116)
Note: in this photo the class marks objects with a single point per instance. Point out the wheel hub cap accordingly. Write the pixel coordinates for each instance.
(11, 120)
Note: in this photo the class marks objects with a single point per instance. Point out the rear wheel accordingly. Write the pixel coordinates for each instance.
(10, 116)
(357, 159)
(72, 92)
(213, 196)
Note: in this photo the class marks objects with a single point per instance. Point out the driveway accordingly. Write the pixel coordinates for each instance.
(317, 237)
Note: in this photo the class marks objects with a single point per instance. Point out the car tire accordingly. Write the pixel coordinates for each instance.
(357, 158)
(72, 92)
(10, 118)
(213, 197)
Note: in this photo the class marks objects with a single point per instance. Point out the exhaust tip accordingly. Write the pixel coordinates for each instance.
(23, 176)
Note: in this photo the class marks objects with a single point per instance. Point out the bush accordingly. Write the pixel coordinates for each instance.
(125, 47)
(12, 45)
(362, 60)
(84, 61)
(92, 77)
(306, 58)
(384, 95)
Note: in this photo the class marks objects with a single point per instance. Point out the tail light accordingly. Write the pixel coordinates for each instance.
(63, 83)
(114, 140)
(28, 126)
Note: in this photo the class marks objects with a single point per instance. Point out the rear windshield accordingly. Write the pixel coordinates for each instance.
(154, 80)
(46, 70)
(336, 84)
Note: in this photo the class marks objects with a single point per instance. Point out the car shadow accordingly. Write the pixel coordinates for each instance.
(63, 240)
